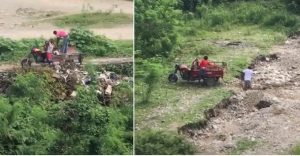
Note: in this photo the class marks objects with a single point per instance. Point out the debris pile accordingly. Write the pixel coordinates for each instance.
(73, 74)
(6, 79)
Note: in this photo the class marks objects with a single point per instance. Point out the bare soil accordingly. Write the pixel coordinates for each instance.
(269, 114)
(96, 61)
(16, 14)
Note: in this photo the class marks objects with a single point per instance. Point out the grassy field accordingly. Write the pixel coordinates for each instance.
(165, 107)
(174, 105)
(93, 19)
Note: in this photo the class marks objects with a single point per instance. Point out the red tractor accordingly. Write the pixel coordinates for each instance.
(210, 75)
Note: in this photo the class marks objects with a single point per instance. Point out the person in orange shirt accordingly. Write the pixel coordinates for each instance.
(202, 65)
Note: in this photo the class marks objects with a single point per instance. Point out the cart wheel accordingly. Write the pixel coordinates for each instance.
(210, 82)
(173, 77)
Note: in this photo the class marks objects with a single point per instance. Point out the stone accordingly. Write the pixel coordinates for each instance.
(229, 145)
(73, 94)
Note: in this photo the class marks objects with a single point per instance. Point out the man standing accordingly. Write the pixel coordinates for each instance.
(247, 77)
(64, 35)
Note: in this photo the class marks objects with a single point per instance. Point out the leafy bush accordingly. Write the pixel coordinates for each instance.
(280, 19)
(154, 28)
(30, 86)
(24, 128)
(89, 43)
(161, 143)
(250, 13)
(123, 94)
(90, 128)
(293, 5)
(30, 123)
(11, 50)
(188, 5)
(296, 150)
(123, 69)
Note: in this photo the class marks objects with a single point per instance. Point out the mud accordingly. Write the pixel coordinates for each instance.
(269, 114)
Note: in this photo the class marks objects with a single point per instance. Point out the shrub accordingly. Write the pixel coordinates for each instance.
(280, 19)
(91, 44)
(249, 13)
(31, 86)
(296, 150)
(24, 128)
(155, 27)
(11, 50)
(188, 5)
(161, 143)
(90, 128)
(123, 69)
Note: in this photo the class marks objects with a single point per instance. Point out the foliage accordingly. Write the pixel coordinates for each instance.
(123, 94)
(295, 150)
(243, 145)
(154, 27)
(89, 43)
(189, 5)
(30, 123)
(125, 48)
(161, 143)
(122, 69)
(24, 128)
(90, 128)
(12, 50)
(293, 5)
(30, 86)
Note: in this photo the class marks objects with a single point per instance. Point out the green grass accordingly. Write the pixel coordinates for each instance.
(92, 20)
(243, 145)
(153, 142)
(125, 48)
(295, 150)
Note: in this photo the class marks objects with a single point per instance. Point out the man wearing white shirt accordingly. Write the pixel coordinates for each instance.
(247, 77)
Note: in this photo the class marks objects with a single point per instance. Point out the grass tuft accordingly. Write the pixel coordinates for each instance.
(95, 19)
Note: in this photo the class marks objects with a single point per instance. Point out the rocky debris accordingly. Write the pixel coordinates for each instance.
(267, 114)
(73, 74)
(263, 104)
(294, 35)
(6, 79)
(265, 58)
(231, 44)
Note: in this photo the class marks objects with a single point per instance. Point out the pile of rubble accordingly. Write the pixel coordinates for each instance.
(73, 74)
(6, 79)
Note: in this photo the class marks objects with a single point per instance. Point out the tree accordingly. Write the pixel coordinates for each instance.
(154, 27)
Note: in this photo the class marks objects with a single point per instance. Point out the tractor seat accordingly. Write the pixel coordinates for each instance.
(183, 66)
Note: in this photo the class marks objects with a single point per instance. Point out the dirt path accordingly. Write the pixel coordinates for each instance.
(14, 13)
(97, 61)
(268, 117)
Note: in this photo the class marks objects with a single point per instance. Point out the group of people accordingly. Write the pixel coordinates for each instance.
(246, 73)
(50, 47)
